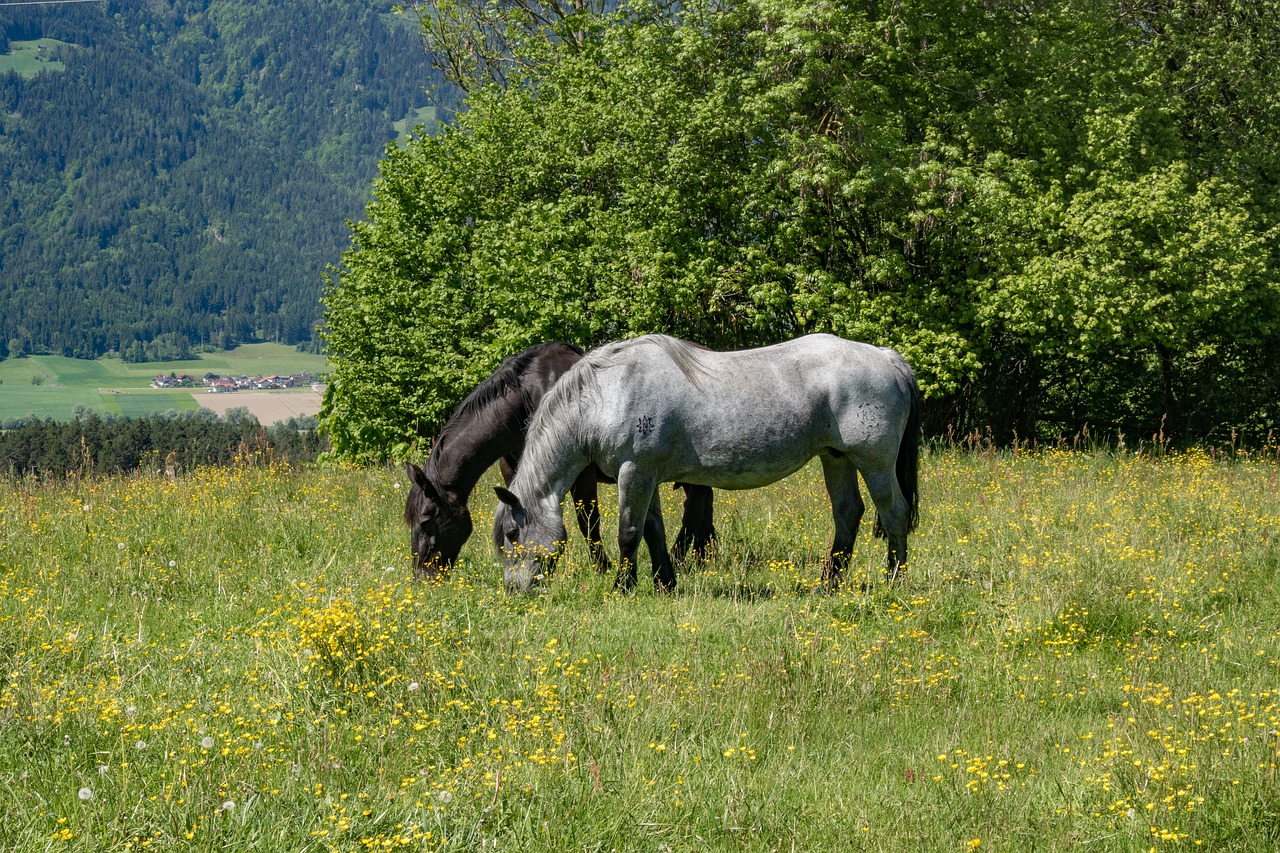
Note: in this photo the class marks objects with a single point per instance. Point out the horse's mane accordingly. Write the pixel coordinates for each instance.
(684, 354)
(507, 377)
(559, 410)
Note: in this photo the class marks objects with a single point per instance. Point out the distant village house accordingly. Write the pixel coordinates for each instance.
(221, 385)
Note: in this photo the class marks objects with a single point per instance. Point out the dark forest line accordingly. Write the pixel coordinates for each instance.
(173, 443)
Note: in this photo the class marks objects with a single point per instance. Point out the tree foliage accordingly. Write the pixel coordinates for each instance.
(1062, 214)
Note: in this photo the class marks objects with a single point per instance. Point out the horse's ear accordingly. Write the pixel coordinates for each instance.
(508, 498)
(419, 478)
(518, 514)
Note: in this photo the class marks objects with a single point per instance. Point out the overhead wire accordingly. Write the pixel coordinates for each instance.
(45, 2)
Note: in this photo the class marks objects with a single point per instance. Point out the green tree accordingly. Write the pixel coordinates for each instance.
(1038, 204)
(1134, 285)
(590, 206)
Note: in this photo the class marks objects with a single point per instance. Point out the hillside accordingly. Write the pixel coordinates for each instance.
(178, 175)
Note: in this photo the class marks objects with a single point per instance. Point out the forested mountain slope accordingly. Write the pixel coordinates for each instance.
(182, 172)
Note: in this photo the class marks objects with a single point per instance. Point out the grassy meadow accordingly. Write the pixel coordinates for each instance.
(31, 57)
(53, 386)
(425, 116)
(1084, 653)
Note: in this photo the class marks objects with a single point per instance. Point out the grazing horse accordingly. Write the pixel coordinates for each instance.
(656, 409)
(487, 427)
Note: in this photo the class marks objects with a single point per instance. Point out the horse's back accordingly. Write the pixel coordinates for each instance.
(801, 374)
(741, 419)
(550, 361)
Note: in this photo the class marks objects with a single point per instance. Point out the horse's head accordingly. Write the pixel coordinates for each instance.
(438, 527)
(530, 543)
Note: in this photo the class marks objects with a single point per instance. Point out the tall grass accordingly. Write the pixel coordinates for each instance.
(1083, 653)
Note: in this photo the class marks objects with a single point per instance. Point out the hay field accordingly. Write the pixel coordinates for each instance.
(268, 407)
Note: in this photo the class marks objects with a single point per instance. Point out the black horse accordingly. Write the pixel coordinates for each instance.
(489, 426)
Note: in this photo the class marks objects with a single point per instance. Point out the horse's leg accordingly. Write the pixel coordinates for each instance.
(585, 491)
(846, 512)
(655, 536)
(894, 516)
(684, 538)
(697, 527)
(635, 496)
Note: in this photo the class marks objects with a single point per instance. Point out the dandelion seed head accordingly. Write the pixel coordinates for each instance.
(208, 743)
(85, 794)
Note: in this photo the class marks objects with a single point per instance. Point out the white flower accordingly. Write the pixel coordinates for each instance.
(119, 546)
(85, 794)
(140, 745)
(228, 806)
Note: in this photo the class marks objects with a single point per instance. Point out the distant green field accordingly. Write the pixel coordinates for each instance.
(422, 115)
(31, 57)
(144, 403)
(53, 386)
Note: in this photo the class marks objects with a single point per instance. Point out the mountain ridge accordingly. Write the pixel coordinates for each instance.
(185, 178)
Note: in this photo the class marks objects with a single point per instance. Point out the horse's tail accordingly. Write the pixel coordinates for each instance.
(907, 466)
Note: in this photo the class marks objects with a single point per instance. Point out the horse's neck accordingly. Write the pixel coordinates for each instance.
(467, 450)
(546, 474)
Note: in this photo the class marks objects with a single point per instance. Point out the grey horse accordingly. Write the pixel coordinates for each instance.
(656, 409)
